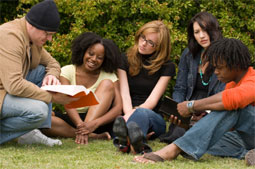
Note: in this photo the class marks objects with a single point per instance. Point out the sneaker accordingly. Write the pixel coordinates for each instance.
(36, 137)
(250, 158)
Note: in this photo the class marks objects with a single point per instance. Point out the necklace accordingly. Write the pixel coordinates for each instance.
(201, 75)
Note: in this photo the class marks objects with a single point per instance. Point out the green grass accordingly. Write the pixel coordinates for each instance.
(97, 154)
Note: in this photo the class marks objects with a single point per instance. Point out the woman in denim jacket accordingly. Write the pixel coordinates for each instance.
(193, 82)
(187, 75)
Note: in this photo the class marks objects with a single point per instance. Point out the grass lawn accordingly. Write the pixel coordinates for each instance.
(97, 154)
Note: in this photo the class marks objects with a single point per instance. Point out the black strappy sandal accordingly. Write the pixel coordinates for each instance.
(137, 139)
(121, 132)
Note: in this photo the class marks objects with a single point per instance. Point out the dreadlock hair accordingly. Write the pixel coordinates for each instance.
(208, 23)
(232, 51)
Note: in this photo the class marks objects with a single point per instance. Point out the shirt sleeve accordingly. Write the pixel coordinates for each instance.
(104, 75)
(181, 86)
(123, 64)
(238, 97)
(112, 76)
(168, 69)
(52, 66)
(68, 72)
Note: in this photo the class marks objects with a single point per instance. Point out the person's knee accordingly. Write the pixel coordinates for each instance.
(37, 75)
(44, 110)
(41, 68)
(107, 84)
(141, 113)
(40, 111)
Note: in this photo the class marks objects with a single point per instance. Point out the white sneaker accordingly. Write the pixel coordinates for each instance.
(36, 137)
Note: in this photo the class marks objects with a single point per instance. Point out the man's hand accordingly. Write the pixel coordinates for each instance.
(183, 109)
(61, 98)
(50, 80)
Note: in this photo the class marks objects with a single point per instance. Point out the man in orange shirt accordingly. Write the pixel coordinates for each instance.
(232, 108)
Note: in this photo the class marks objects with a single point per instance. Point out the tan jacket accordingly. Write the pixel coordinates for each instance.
(15, 62)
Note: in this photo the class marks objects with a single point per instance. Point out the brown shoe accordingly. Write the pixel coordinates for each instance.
(250, 158)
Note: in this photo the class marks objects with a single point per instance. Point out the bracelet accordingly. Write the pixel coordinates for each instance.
(190, 106)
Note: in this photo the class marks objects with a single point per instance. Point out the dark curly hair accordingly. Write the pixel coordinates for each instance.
(207, 22)
(232, 51)
(111, 57)
(88, 39)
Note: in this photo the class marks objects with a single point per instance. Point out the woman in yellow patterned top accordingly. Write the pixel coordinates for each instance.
(94, 63)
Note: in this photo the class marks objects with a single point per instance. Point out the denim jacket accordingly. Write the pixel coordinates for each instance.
(187, 75)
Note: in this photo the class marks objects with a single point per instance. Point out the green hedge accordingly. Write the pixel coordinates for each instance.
(119, 19)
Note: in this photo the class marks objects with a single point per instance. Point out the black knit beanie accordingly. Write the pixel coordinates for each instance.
(44, 16)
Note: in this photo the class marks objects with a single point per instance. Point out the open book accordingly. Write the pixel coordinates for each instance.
(87, 97)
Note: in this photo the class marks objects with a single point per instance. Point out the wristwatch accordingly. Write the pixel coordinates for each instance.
(190, 106)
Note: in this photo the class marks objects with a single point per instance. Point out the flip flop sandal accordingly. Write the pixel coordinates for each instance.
(121, 132)
(136, 137)
(153, 157)
(146, 149)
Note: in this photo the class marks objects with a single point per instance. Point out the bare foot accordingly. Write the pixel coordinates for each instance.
(141, 159)
(149, 135)
(102, 136)
(81, 139)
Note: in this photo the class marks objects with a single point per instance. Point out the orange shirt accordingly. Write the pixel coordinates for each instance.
(241, 94)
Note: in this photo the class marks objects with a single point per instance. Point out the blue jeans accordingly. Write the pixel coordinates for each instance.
(148, 121)
(21, 115)
(210, 129)
(230, 145)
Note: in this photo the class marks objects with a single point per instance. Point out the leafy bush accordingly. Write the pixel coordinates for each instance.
(119, 19)
(8, 10)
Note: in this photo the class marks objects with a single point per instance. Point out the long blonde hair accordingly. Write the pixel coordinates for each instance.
(161, 54)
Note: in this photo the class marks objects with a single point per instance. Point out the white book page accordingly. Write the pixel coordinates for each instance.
(66, 89)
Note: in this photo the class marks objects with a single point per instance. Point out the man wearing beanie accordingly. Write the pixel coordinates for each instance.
(25, 66)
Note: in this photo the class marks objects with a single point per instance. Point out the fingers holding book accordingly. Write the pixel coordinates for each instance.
(63, 99)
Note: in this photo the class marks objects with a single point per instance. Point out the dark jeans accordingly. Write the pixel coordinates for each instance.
(148, 121)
